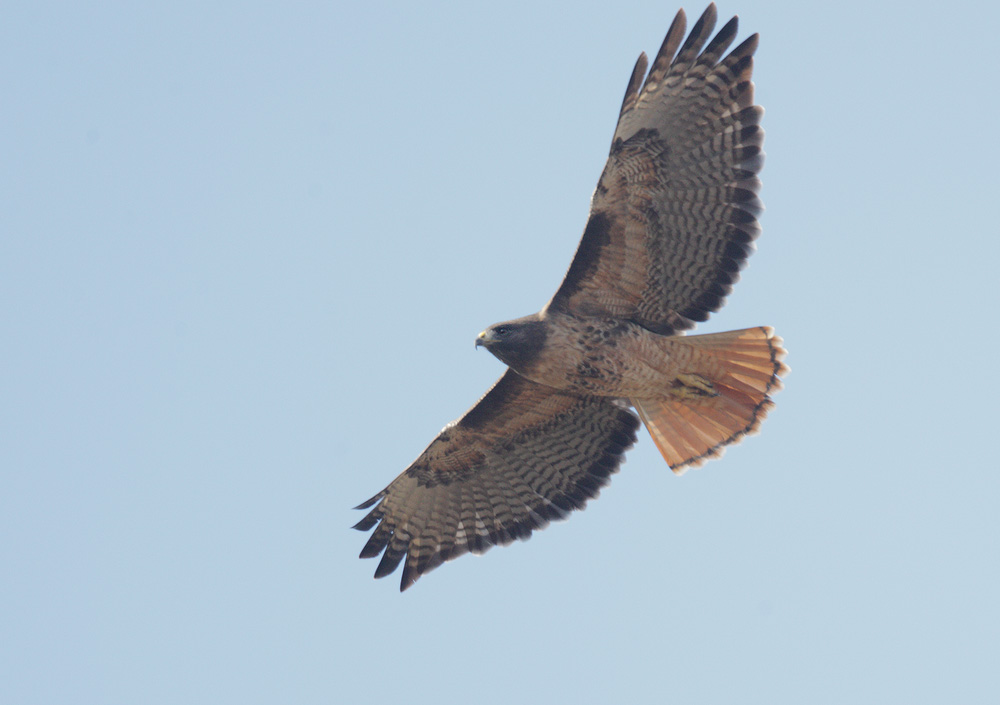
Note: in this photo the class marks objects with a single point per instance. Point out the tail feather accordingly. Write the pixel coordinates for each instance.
(740, 369)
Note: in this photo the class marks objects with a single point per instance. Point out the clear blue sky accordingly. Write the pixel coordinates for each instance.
(244, 253)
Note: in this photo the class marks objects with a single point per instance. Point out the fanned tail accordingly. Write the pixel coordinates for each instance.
(702, 412)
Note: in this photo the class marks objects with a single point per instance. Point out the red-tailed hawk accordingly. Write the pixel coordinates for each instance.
(672, 222)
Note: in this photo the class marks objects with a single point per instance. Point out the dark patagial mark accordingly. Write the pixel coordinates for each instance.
(595, 238)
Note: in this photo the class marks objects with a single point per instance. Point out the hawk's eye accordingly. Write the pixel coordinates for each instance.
(500, 330)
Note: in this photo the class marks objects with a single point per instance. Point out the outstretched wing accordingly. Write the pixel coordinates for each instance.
(521, 457)
(674, 215)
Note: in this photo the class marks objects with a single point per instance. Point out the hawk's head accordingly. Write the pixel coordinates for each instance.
(516, 342)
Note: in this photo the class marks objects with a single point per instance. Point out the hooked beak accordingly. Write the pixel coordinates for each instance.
(482, 339)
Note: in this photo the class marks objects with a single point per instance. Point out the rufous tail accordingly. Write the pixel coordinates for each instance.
(723, 398)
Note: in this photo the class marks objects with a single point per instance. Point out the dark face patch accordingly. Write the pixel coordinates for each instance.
(517, 343)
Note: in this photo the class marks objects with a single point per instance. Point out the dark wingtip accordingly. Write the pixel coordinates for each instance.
(408, 578)
(367, 523)
(368, 503)
(668, 48)
(748, 46)
(390, 561)
(634, 83)
(724, 37)
(704, 25)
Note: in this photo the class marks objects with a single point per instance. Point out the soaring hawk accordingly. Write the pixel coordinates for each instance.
(672, 222)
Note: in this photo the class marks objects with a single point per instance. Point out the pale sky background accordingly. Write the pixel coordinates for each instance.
(244, 253)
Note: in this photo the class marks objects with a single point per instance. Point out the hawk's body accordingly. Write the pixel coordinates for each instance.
(672, 221)
(607, 357)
